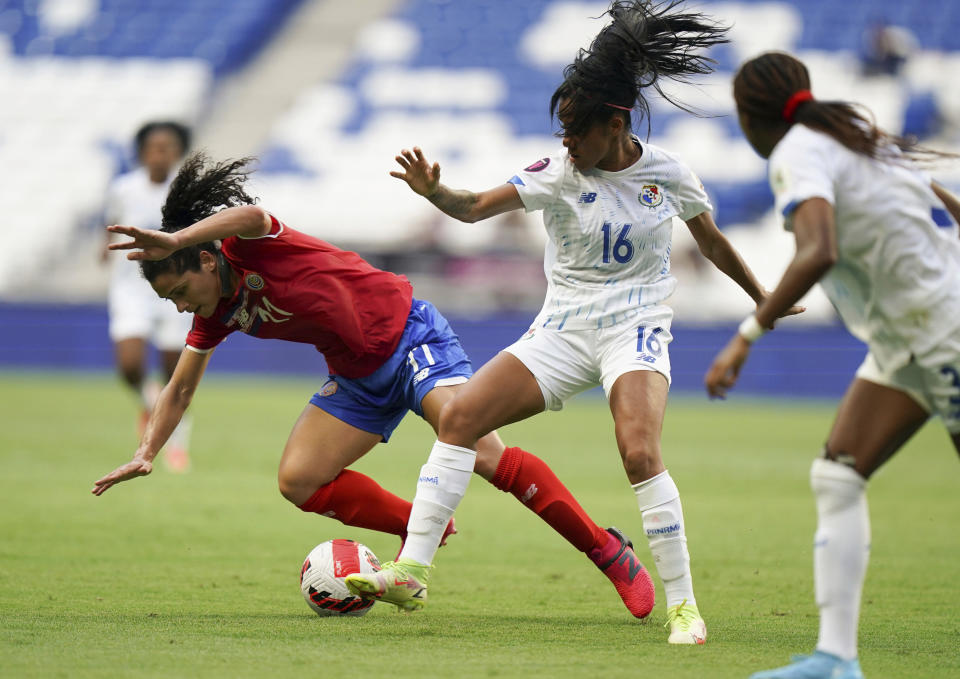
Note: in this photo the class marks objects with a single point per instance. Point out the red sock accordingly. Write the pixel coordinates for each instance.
(357, 500)
(530, 480)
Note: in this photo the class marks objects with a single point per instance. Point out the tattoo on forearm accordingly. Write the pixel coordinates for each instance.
(457, 204)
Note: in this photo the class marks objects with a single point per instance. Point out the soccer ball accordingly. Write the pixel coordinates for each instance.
(321, 578)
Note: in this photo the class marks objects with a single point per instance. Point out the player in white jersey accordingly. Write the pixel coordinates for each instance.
(608, 202)
(882, 239)
(137, 315)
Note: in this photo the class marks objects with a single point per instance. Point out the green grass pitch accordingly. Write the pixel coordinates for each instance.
(197, 575)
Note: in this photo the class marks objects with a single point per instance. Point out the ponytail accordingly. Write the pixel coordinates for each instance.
(644, 43)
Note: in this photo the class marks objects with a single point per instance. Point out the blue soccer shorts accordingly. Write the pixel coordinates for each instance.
(428, 355)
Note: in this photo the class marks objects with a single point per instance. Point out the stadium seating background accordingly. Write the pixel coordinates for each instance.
(469, 81)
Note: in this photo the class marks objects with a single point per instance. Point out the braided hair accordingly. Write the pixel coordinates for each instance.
(200, 189)
(644, 43)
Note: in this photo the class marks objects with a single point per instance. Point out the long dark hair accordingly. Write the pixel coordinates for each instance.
(764, 84)
(644, 43)
(200, 189)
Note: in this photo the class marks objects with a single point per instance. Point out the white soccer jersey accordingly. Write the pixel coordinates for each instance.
(896, 283)
(135, 310)
(134, 200)
(608, 254)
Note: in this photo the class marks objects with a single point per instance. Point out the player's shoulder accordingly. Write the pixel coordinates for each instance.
(802, 141)
(663, 162)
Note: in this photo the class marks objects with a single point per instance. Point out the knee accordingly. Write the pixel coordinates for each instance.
(642, 460)
(297, 486)
(457, 425)
(132, 373)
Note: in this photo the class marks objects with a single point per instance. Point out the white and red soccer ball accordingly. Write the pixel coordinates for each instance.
(321, 578)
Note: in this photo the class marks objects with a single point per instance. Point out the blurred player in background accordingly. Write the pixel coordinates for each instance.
(137, 316)
(608, 205)
(239, 268)
(877, 234)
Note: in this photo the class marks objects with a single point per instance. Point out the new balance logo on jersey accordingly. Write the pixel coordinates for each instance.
(587, 197)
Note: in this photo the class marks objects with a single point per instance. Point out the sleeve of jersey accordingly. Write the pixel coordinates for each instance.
(798, 172)
(693, 197)
(539, 184)
(205, 335)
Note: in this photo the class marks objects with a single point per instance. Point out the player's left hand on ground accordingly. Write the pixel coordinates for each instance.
(725, 370)
(130, 470)
(148, 244)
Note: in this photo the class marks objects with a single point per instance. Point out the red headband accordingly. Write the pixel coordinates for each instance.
(793, 102)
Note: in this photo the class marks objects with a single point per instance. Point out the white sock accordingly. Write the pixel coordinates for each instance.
(662, 514)
(841, 549)
(442, 484)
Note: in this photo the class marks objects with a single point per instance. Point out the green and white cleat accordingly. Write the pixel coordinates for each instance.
(685, 624)
(402, 583)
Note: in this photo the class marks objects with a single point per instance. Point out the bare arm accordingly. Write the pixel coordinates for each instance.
(466, 206)
(247, 221)
(816, 236)
(949, 201)
(715, 247)
(167, 413)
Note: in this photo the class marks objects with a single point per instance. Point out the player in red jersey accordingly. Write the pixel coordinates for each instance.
(237, 267)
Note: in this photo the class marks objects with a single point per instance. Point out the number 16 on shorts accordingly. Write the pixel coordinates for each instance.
(649, 347)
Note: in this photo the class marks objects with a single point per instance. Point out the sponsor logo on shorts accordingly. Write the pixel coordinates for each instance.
(421, 376)
(528, 334)
(329, 389)
(651, 195)
(537, 166)
(647, 358)
(254, 281)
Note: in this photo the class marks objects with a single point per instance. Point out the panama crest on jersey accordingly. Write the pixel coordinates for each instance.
(651, 195)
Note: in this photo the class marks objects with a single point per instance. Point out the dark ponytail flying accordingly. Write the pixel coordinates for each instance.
(200, 189)
(645, 42)
(765, 85)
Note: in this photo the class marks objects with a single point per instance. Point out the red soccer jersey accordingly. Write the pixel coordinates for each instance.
(298, 288)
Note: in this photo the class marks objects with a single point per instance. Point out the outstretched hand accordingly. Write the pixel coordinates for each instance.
(419, 175)
(130, 470)
(149, 244)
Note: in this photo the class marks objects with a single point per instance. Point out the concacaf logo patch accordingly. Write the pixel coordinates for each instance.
(254, 281)
(651, 195)
(329, 389)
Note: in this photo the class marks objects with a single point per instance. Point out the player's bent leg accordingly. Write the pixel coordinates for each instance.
(313, 475)
(131, 357)
(873, 421)
(638, 401)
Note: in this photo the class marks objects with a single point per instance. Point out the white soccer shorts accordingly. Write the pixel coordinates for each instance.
(936, 390)
(137, 312)
(567, 362)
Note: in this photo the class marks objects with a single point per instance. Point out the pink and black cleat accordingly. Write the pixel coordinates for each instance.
(618, 562)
